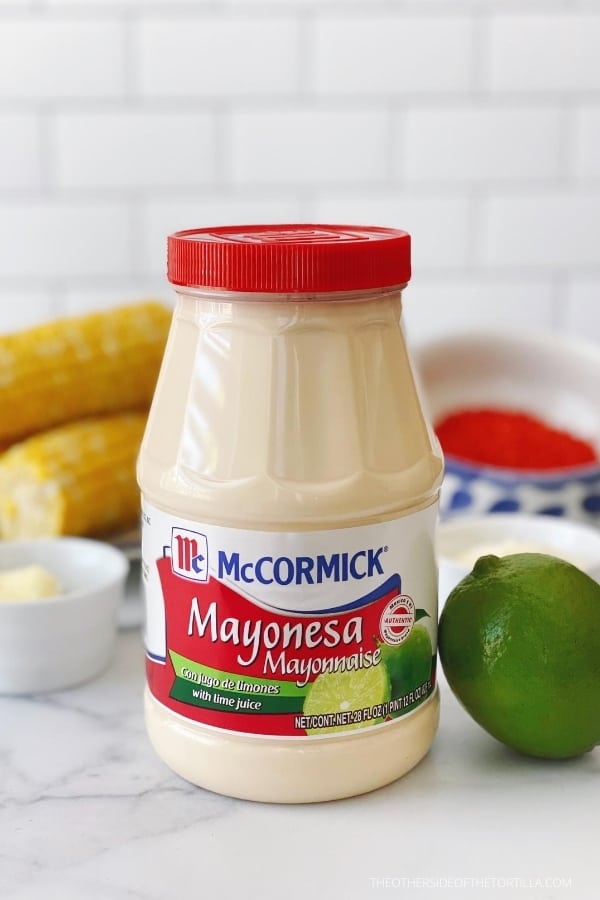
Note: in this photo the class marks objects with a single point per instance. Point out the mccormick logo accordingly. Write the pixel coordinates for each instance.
(284, 570)
(189, 554)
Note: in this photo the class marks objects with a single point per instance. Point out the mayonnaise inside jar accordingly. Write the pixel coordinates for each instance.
(290, 485)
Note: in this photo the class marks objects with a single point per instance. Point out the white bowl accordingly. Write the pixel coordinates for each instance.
(461, 541)
(54, 643)
(553, 379)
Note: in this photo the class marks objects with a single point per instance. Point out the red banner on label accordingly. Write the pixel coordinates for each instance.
(211, 625)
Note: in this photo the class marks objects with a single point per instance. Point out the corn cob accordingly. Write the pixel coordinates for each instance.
(75, 479)
(90, 365)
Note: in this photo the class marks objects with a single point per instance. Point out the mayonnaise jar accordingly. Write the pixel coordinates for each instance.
(289, 485)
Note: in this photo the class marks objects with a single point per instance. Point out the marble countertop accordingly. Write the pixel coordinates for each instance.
(88, 812)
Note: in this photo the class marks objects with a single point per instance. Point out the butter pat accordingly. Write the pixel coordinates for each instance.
(28, 583)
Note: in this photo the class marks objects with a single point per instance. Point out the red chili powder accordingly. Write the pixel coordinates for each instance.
(510, 439)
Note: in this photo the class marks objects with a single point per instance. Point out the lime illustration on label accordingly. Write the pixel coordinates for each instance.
(290, 634)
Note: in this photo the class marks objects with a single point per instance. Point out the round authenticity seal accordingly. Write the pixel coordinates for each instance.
(397, 619)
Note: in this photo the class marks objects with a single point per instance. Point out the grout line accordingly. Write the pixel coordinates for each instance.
(480, 53)
(375, 189)
(397, 140)
(131, 60)
(306, 50)
(306, 203)
(434, 7)
(181, 10)
(296, 102)
(57, 291)
(475, 225)
(566, 146)
(274, 106)
(135, 228)
(47, 148)
(223, 161)
(558, 302)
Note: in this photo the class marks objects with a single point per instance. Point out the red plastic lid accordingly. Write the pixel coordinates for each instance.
(289, 258)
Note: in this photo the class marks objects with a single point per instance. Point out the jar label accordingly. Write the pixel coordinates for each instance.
(290, 633)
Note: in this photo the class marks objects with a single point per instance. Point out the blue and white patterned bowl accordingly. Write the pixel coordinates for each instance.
(556, 380)
(573, 493)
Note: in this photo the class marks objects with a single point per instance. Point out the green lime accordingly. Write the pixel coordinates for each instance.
(409, 663)
(350, 692)
(519, 641)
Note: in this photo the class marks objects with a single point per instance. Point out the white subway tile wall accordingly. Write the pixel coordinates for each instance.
(218, 56)
(130, 149)
(55, 59)
(20, 151)
(474, 124)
